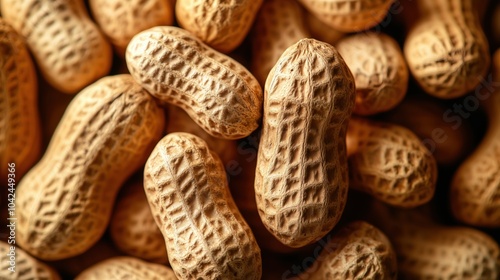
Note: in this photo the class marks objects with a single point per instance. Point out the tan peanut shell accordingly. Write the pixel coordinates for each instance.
(357, 251)
(301, 180)
(26, 267)
(205, 234)
(278, 25)
(133, 228)
(475, 188)
(126, 268)
(390, 163)
(64, 203)
(121, 20)
(446, 50)
(220, 24)
(349, 15)
(20, 132)
(68, 47)
(322, 31)
(379, 71)
(218, 93)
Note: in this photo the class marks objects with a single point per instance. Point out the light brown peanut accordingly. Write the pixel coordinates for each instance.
(475, 189)
(121, 20)
(390, 163)
(446, 50)
(322, 31)
(133, 228)
(357, 251)
(220, 24)
(218, 93)
(279, 24)
(126, 268)
(64, 203)
(205, 234)
(20, 132)
(301, 180)
(379, 71)
(349, 15)
(68, 47)
(23, 266)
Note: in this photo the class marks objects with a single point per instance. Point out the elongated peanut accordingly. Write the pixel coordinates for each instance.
(205, 234)
(218, 93)
(357, 251)
(322, 31)
(121, 20)
(349, 15)
(390, 163)
(279, 24)
(126, 268)
(446, 50)
(64, 203)
(17, 264)
(475, 189)
(220, 24)
(20, 133)
(68, 47)
(133, 228)
(301, 180)
(379, 70)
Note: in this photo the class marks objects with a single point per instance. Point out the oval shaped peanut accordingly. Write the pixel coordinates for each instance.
(357, 251)
(218, 93)
(121, 20)
(126, 268)
(22, 265)
(205, 234)
(20, 128)
(68, 47)
(301, 180)
(379, 70)
(133, 228)
(220, 24)
(64, 203)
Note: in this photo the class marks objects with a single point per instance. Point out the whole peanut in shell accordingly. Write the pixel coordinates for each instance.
(121, 20)
(67, 46)
(126, 268)
(25, 266)
(301, 179)
(390, 163)
(20, 132)
(220, 24)
(64, 203)
(218, 93)
(379, 69)
(446, 49)
(357, 251)
(205, 234)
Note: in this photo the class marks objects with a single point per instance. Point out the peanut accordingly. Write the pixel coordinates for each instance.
(446, 50)
(321, 31)
(205, 234)
(301, 180)
(349, 16)
(357, 251)
(20, 133)
(24, 266)
(220, 24)
(379, 70)
(133, 228)
(68, 47)
(390, 163)
(126, 268)
(279, 24)
(218, 93)
(475, 189)
(64, 203)
(121, 20)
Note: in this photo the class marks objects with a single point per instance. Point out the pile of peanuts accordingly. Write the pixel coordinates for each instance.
(249, 139)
